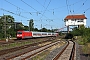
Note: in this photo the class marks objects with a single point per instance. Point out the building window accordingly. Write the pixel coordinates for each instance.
(67, 20)
(72, 19)
(80, 21)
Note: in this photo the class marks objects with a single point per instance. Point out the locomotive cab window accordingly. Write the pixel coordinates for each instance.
(19, 32)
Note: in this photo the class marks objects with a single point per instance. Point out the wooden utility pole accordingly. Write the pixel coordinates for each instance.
(5, 26)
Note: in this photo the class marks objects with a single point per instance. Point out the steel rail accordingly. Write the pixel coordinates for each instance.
(63, 49)
(56, 57)
(72, 52)
(36, 51)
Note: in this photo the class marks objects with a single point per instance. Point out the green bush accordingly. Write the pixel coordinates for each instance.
(84, 33)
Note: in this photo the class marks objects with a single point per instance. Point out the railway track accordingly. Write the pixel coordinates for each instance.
(25, 49)
(67, 53)
(3, 42)
(32, 53)
(9, 50)
(11, 44)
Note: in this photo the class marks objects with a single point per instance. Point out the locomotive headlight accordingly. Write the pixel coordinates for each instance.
(20, 35)
(17, 35)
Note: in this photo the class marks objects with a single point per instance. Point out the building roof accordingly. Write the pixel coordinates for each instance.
(75, 17)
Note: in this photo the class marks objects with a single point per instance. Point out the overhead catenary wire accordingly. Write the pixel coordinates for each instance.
(67, 6)
(18, 8)
(40, 3)
(86, 10)
(36, 9)
(83, 3)
(14, 5)
(32, 7)
(29, 5)
(12, 13)
(45, 11)
(44, 2)
(49, 11)
(46, 8)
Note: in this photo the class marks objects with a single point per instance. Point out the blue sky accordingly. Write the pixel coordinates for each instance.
(49, 13)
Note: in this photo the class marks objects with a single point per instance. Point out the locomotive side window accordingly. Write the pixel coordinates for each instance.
(19, 32)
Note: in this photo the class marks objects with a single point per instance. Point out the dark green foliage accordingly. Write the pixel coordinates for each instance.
(35, 29)
(83, 32)
(31, 25)
(44, 30)
(7, 25)
(6, 22)
(69, 36)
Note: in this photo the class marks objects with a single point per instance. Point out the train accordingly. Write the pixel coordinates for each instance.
(31, 34)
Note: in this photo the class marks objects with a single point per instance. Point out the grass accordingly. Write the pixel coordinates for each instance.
(14, 45)
(41, 56)
(86, 48)
(80, 40)
(17, 44)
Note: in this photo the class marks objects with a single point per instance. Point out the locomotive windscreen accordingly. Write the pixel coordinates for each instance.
(19, 32)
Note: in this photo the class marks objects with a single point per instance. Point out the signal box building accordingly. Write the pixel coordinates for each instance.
(75, 20)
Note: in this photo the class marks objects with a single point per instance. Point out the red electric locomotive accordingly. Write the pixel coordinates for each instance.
(24, 34)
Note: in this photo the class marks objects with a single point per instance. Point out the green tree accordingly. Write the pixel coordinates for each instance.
(43, 30)
(5, 24)
(26, 28)
(36, 29)
(31, 25)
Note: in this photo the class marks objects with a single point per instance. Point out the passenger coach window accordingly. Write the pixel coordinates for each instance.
(52, 34)
(44, 34)
(49, 34)
(34, 34)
